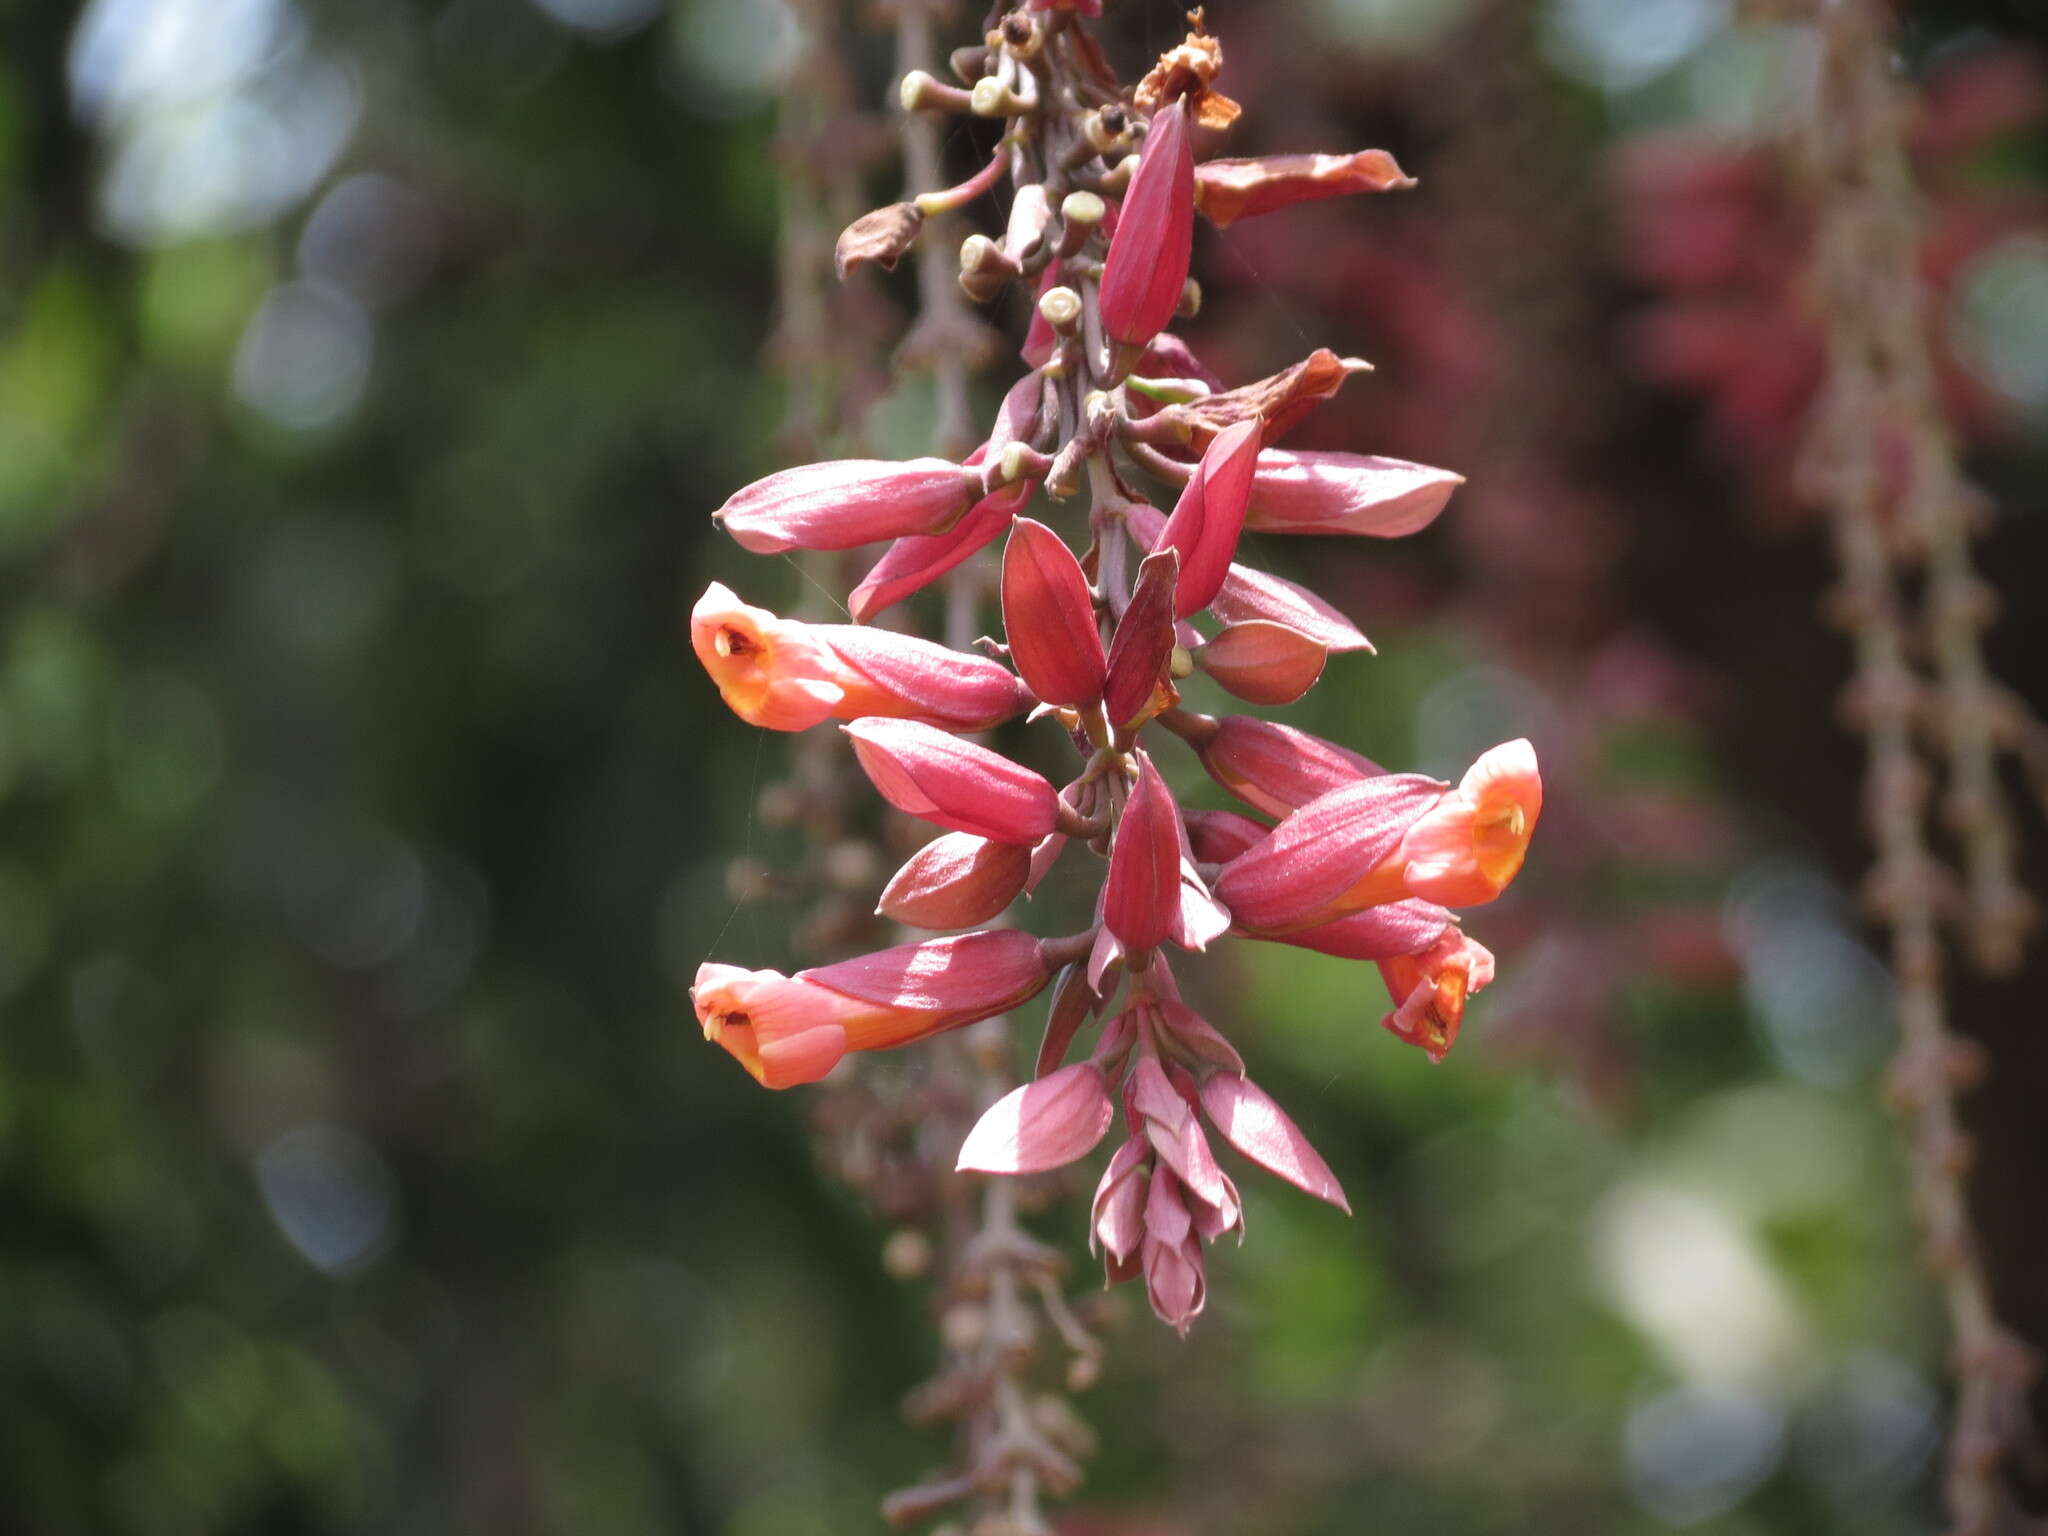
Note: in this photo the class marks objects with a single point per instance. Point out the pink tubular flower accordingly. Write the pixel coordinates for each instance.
(1429, 990)
(1142, 895)
(1387, 932)
(788, 676)
(1275, 768)
(956, 881)
(952, 783)
(1471, 844)
(915, 561)
(794, 1029)
(1312, 492)
(1209, 516)
(1227, 190)
(847, 502)
(1147, 264)
(1315, 865)
(1049, 617)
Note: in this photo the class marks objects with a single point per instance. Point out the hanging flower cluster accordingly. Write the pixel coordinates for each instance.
(1342, 856)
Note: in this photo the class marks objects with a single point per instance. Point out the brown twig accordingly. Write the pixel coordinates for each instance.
(1864, 254)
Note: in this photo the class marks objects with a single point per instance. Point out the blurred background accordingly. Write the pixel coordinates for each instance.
(367, 372)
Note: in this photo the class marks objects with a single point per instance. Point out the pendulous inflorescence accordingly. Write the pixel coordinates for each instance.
(1338, 855)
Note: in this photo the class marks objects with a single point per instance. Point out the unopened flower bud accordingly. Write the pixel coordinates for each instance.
(1049, 617)
(1263, 662)
(956, 881)
(1147, 264)
(848, 502)
(1297, 491)
(953, 783)
(1143, 642)
(1209, 515)
(1141, 895)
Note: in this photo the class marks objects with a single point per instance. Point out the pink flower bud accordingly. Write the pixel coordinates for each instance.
(1467, 849)
(1378, 933)
(1251, 1122)
(1227, 190)
(916, 561)
(1429, 990)
(1220, 836)
(788, 676)
(1311, 492)
(1209, 516)
(1044, 1124)
(1171, 1254)
(1143, 643)
(953, 783)
(1276, 768)
(1117, 1219)
(1049, 618)
(845, 502)
(1247, 594)
(794, 1029)
(1142, 894)
(1264, 662)
(1318, 863)
(956, 881)
(1147, 264)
